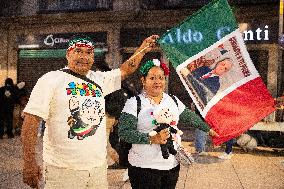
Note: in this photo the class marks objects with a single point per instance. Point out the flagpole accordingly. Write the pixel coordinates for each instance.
(281, 17)
(136, 54)
(280, 51)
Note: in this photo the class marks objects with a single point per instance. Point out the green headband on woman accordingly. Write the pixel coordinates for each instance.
(150, 64)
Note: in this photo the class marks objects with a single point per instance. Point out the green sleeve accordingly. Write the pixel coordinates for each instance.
(190, 118)
(127, 130)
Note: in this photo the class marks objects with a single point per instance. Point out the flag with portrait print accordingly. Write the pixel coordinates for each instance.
(208, 52)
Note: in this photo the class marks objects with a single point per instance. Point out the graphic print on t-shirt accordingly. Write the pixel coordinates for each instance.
(83, 89)
(86, 112)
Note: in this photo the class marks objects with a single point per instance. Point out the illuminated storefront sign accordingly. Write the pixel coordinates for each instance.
(192, 36)
(50, 40)
(189, 36)
(259, 34)
(58, 40)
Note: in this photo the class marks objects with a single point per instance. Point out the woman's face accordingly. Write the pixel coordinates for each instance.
(155, 81)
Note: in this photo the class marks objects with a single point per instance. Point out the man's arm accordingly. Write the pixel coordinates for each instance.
(131, 65)
(31, 170)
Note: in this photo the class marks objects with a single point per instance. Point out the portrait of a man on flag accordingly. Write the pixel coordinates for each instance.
(215, 71)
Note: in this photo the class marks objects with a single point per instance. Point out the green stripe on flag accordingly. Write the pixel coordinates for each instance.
(199, 31)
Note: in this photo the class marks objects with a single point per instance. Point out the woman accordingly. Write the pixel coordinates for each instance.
(148, 168)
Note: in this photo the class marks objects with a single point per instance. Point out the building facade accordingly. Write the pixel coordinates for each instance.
(34, 34)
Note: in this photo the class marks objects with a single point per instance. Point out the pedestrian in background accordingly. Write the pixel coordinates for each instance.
(8, 99)
(200, 137)
(22, 100)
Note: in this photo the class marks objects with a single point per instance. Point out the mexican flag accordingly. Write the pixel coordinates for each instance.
(208, 52)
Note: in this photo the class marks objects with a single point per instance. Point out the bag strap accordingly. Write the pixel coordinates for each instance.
(138, 99)
(83, 77)
(174, 98)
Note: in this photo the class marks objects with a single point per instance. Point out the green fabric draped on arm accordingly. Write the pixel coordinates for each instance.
(190, 118)
(127, 130)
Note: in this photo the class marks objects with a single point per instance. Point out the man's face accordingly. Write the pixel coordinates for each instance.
(223, 67)
(80, 59)
(184, 72)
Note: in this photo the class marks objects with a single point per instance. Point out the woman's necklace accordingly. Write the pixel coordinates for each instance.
(153, 100)
(153, 103)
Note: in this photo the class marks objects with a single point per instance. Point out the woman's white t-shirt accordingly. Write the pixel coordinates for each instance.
(146, 155)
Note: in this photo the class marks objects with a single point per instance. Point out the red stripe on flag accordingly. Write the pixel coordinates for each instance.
(240, 110)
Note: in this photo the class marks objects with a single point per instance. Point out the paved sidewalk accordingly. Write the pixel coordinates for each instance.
(261, 169)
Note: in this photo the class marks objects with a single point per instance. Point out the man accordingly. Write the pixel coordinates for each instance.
(8, 99)
(71, 101)
(205, 80)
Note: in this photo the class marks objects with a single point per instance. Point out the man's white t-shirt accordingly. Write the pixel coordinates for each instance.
(146, 155)
(74, 111)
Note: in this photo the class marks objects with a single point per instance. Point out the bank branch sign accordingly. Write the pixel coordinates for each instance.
(58, 40)
(50, 40)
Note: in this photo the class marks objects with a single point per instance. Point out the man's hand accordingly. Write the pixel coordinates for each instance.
(32, 174)
(213, 133)
(148, 44)
(184, 72)
(161, 137)
(131, 65)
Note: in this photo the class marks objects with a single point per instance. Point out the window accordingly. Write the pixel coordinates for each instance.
(183, 4)
(55, 6)
(171, 4)
(10, 8)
